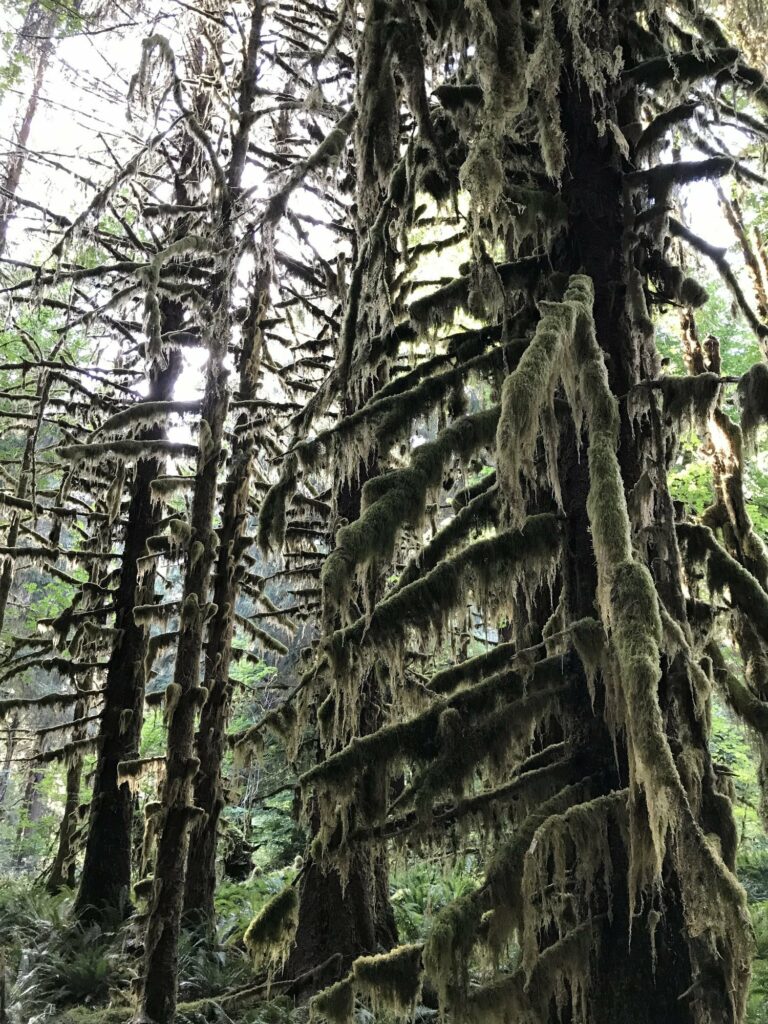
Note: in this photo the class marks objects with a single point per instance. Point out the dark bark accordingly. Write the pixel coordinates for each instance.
(106, 879)
(63, 868)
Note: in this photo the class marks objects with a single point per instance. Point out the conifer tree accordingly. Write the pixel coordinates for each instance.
(583, 736)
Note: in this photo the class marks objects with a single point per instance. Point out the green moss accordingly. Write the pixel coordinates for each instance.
(753, 398)
(391, 979)
(395, 500)
(336, 1003)
(270, 934)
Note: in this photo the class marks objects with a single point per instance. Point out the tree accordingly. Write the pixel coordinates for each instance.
(587, 731)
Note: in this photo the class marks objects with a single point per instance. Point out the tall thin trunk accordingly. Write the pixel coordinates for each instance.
(22, 491)
(29, 800)
(209, 741)
(159, 988)
(106, 879)
(63, 868)
(13, 169)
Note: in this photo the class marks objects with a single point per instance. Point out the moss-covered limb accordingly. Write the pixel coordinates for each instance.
(718, 257)
(437, 308)
(329, 150)
(144, 414)
(271, 525)
(128, 451)
(48, 700)
(472, 670)
(560, 976)
(628, 603)
(449, 946)
(420, 737)
(130, 773)
(532, 784)
(753, 710)
(701, 545)
(386, 418)
(571, 852)
(661, 178)
(459, 348)
(394, 500)
(690, 400)
(64, 666)
(680, 68)
(527, 394)
(663, 122)
(69, 751)
(495, 738)
(480, 512)
(391, 979)
(269, 936)
(265, 640)
(336, 1003)
(524, 554)
(504, 877)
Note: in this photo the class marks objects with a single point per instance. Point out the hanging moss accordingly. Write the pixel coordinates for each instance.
(269, 936)
(525, 556)
(392, 979)
(753, 398)
(336, 1003)
(475, 515)
(691, 400)
(395, 500)
(449, 945)
(527, 398)
(724, 571)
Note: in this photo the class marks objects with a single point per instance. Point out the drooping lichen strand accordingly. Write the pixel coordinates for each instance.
(753, 398)
(395, 500)
(392, 979)
(526, 399)
(269, 936)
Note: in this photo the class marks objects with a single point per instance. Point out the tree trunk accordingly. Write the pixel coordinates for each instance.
(106, 879)
(649, 980)
(337, 920)
(209, 741)
(159, 992)
(16, 160)
(63, 868)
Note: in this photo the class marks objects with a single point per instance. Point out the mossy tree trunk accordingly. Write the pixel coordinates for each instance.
(340, 920)
(63, 868)
(209, 741)
(160, 977)
(105, 884)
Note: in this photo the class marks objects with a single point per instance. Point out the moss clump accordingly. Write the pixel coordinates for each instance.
(526, 396)
(691, 400)
(336, 1003)
(391, 979)
(269, 936)
(753, 398)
